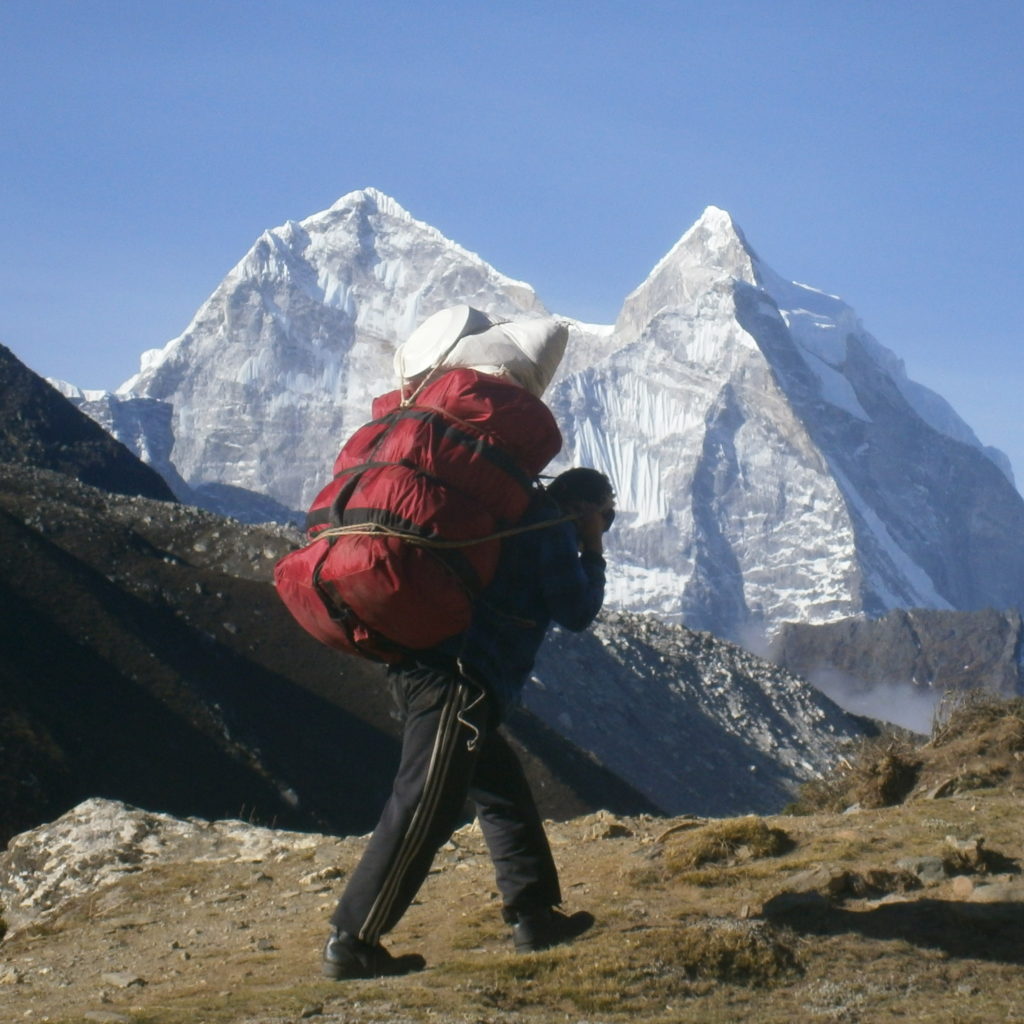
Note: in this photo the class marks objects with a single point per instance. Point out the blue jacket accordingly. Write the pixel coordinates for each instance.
(541, 578)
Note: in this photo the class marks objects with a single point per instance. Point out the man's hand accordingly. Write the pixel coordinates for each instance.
(591, 523)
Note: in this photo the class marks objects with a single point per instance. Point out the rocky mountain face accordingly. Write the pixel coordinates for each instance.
(281, 363)
(777, 460)
(900, 666)
(697, 724)
(773, 462)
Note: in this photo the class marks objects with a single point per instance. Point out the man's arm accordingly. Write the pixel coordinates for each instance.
(573, 569)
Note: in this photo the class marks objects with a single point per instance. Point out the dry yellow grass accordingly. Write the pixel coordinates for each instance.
(713, 922)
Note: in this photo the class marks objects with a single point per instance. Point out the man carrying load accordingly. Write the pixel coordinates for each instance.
(453, 698)
(434, 550)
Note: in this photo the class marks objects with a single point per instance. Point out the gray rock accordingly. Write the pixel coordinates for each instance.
(827, 881)
(930, 870)
(97, 842)
(122, 979)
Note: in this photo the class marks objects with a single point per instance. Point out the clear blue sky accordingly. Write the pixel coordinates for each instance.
(870, 149)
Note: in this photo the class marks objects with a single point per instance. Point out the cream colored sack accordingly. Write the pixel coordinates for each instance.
(528, 351)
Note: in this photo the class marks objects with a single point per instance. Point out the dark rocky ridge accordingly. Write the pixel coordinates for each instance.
(149, 660)
(698, 724)
(40, 427)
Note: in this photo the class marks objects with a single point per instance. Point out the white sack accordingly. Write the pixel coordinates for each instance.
(529, 351)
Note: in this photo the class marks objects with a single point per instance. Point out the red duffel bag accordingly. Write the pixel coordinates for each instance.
(405, 534)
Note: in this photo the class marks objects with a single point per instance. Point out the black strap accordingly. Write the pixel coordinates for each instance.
(332, 515)
(329, 514)
(478, 445)
(345, 617)
(338, 514)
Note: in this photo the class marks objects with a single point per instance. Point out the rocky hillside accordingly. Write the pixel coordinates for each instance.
(697, 724)
(39, 427)
(163, 635)
(906, 908)
(147, 658)
(144, 655)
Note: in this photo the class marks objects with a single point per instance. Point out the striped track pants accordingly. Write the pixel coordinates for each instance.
(451, 750)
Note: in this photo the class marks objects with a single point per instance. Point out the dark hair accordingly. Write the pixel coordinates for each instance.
(580, 484)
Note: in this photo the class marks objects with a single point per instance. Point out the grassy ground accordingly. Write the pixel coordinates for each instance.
(808, 917)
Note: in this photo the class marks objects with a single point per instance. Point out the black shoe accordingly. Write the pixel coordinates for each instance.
(345, 957)
(535, 930)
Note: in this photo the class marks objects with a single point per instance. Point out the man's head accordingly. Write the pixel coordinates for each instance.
(578, 488)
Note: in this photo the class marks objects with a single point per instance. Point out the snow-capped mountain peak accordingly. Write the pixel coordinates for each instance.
(714, 245)
(715, 242)
(706, 260)
(772, 460)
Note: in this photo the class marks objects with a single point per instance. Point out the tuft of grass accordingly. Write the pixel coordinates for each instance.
(887, 779)
(725, 949)
(647, 877)
(727, 842)
(977, 743)
(996, 721)
(477, 927)
(642, 969)
(880, 772)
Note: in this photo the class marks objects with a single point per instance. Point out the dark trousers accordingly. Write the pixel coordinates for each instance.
(451, 750)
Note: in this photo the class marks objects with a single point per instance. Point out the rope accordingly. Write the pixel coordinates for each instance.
(377, 529)
(445, 414)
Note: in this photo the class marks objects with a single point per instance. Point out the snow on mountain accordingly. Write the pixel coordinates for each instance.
(281, 363)
(773, 462)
